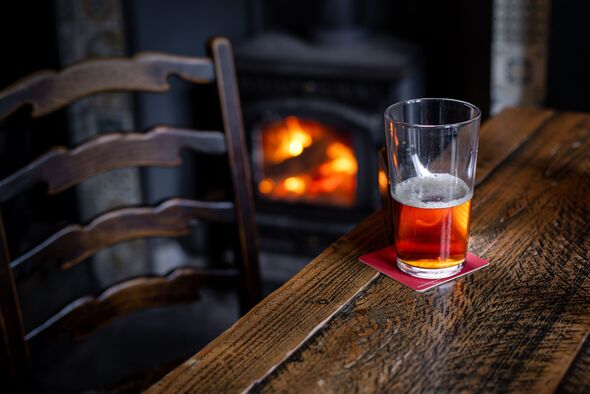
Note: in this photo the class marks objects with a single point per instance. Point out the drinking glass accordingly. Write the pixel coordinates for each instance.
(431, 154)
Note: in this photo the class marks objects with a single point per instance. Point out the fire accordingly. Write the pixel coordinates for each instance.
(289, 140)
(295, 185)
(342, 160)
(307, 161)
(295, 148)
(266, 186)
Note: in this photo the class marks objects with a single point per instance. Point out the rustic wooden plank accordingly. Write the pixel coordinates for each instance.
(264, 337)
(49, 90)
(280, 324)
(577, 379)
(515, 326)
(86, 314)
(505, 133)
(61, 168)
(74, 243)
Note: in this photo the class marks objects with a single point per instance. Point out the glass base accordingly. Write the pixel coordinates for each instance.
(429, 273)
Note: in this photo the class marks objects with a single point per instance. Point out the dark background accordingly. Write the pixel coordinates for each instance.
(454, 35)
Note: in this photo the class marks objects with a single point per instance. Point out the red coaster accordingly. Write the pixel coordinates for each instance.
(384, 261)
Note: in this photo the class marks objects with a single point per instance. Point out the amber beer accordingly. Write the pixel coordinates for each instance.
(431, 158)
(431, 221)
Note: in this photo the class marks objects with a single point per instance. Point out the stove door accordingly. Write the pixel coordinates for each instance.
(314, 154)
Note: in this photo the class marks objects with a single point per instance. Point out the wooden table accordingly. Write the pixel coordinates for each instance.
(520, 324)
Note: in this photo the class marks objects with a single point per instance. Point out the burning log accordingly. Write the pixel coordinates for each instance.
(306, 163)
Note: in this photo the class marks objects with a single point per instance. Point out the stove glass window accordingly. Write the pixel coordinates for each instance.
(304, 160)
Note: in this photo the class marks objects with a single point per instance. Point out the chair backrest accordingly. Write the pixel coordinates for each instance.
(60, 168)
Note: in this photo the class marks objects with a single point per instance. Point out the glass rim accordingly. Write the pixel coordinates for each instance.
(476, 117)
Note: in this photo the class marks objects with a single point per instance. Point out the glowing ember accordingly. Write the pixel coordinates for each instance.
(295, 148)
(342, 160)
(307, 161)
(295, 184)
(289, 139)
(266, 186)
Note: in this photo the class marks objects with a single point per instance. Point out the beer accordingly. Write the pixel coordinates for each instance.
(431, 222)
(431, 155)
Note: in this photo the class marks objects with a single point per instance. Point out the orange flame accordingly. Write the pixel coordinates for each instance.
(342, 159)
(326, 174)
(266, 186)
(295, 184)
(289, 140)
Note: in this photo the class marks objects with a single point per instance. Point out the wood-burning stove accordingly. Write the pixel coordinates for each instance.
(313, 115)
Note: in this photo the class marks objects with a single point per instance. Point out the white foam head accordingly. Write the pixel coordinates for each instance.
(433, 191)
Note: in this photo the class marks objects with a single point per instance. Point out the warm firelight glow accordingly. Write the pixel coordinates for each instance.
(342, 159)
(307, 161)
(266, 186)
(295, 148)
(383, 182)
(295, 184)
(288, 140)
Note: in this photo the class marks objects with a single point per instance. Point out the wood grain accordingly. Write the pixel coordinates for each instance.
(74, 243)
(365, 331)
(577, 378)
(515, 326)
(86, 314)
(61, 168)
(263, 338)
(506, 132)
(48, 90)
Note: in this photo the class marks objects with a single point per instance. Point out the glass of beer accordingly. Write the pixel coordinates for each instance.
(431, 154)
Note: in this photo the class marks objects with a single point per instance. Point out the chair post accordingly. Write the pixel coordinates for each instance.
(15, 349)
(227, 87)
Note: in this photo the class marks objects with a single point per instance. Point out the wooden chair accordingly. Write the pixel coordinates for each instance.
(48, 91)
